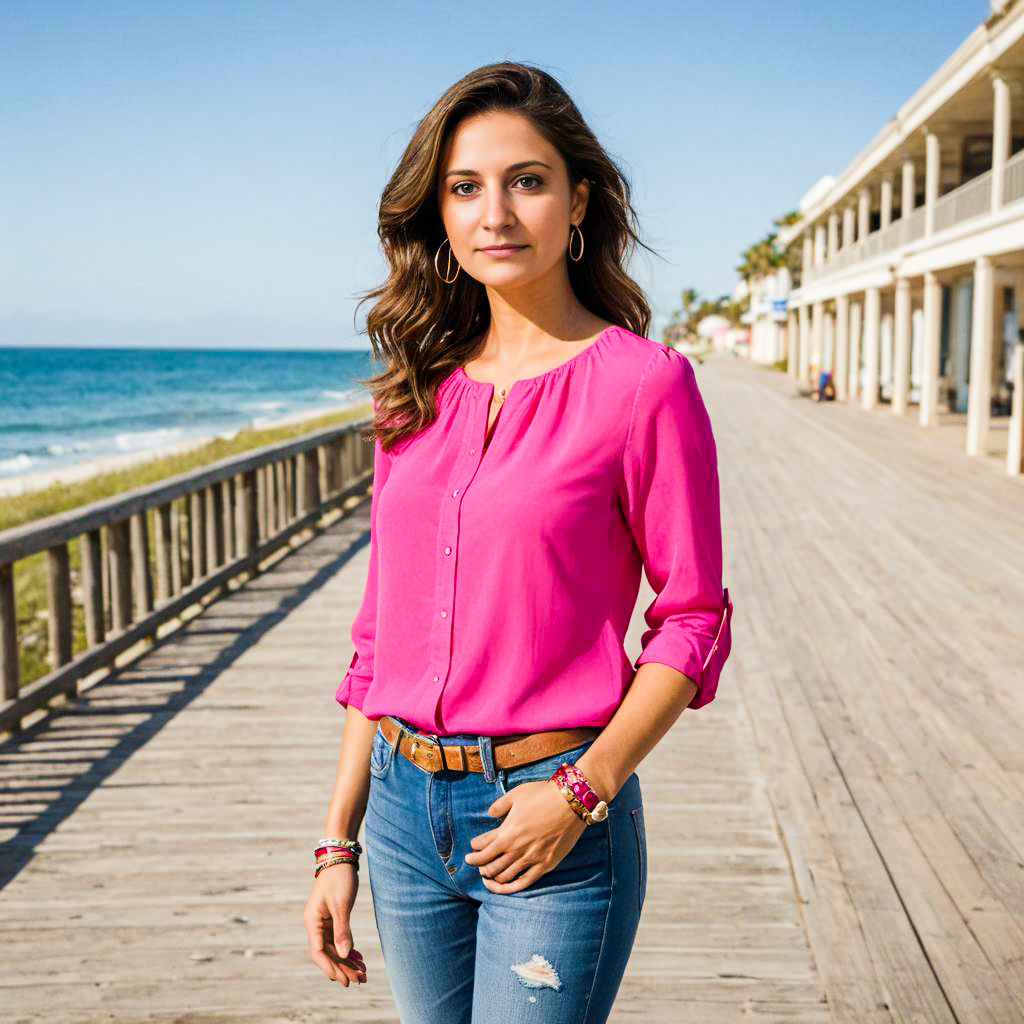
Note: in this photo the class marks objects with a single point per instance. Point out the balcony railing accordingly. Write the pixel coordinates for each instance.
(972, 199)
(1013, 183)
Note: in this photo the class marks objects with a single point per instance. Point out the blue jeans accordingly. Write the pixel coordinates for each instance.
(457, 953)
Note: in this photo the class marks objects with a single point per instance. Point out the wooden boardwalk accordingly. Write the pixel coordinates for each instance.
(838, 837)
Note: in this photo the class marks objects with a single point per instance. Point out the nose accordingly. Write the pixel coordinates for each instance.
(497, 213)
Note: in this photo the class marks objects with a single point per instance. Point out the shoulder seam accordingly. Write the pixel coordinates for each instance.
(632, 411)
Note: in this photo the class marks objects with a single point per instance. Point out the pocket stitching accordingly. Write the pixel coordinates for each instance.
(378, 772)
(636, 814)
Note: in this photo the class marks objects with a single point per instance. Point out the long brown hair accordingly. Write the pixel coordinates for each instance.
(423, 328)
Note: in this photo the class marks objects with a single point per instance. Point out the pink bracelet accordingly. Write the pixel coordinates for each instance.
(573, 785)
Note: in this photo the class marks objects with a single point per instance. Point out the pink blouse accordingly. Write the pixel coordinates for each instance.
(501, 582)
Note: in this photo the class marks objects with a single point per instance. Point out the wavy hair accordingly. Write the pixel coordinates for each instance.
(422, 328)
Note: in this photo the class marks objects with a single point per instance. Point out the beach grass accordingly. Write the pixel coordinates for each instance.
(30, 574)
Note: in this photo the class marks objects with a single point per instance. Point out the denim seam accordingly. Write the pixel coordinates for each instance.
(636, 814)
(607, 915)
(451, 824)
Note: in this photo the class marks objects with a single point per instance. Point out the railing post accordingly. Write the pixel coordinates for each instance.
(214, 529)
(227, 518)
(164, 541)
(59, 601)
(260, 483)
(91, 554)
(280, 493)
(308, 481)
(119, 550)
(143, 575)
(10, 671)
(322, 455)
(248, 513)
(197, 534)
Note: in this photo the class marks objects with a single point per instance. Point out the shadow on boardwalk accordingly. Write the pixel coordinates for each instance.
(836, 837)
(54, 766)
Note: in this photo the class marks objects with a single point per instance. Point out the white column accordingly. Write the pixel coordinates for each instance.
(828, 354)
(979, 385)
(853, 374)
(863, 213)
(808, 257)
(928, 408)
(817, 341)
(805, 343)
(1000, 136)
(886, 202)
(1015, 442)
(901, 348)
(849, 225)
(872, 342)
(819, 245)
(932, 158)
(908, 187)
(840, 360)
(833, 234)
(791, 343)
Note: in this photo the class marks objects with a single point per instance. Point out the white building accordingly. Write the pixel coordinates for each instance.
(767, 315)
(913, 256)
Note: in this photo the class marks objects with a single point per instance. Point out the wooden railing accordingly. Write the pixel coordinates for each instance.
(208, 527)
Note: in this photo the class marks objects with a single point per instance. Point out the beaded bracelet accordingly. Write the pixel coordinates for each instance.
(335, 860)
(331, 850)
(573, 785)
(351, 843)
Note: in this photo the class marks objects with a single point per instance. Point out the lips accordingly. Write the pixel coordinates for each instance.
(502, 248)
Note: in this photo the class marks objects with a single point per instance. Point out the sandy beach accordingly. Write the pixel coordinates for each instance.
(24, 483)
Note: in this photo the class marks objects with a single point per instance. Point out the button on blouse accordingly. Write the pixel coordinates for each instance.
(502, 579)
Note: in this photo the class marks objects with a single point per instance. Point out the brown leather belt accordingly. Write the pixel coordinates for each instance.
(425, 751)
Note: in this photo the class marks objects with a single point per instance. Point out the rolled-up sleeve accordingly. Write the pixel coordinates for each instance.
(359, 675)
(669, 493)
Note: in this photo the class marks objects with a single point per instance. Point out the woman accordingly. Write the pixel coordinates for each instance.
(533, 453)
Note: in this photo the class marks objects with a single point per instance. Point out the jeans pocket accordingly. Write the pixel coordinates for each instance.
(381, 754)
(637, 814)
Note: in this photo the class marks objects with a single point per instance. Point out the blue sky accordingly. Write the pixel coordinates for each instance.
(207, 173)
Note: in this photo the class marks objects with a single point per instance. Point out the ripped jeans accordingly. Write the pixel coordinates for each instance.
(457, 953)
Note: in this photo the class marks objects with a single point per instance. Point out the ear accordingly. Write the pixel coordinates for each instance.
(581, 195)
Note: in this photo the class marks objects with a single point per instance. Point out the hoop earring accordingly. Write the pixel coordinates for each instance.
(576, 228)
(448, 265)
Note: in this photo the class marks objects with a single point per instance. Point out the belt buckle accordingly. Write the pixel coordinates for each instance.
(426, 736)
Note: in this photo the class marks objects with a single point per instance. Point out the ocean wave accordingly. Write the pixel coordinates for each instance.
(267, 406)
(18, 464)
(69, 449)
(140, 440)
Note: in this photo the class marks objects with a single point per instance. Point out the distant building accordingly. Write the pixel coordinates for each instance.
(913, 256)
(767, 316)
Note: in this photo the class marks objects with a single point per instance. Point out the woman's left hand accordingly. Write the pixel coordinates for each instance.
(539, 830)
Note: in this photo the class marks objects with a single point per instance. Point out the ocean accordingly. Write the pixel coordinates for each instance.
(61, 406)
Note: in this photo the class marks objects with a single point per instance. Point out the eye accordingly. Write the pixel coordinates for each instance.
(530, 177)
(455, 188)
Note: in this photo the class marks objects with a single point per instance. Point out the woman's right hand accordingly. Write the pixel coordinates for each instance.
(326, 919)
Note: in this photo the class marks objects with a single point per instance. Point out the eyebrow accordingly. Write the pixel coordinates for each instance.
(513, 167)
